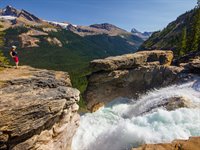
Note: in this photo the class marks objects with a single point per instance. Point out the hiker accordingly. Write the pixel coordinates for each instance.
(13, 54)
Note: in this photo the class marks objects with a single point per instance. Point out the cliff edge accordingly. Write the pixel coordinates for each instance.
(38, 109)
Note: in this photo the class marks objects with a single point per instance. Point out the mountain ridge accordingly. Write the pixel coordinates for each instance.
(182, 35)
(94, 29)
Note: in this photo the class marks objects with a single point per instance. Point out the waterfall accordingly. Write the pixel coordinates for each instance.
(126, 123)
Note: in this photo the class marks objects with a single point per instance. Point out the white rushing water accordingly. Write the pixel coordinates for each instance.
(124, 124)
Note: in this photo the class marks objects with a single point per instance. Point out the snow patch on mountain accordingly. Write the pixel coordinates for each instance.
(8, 17)
(62, 24)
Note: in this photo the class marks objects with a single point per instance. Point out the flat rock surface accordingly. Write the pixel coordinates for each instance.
(130, 61)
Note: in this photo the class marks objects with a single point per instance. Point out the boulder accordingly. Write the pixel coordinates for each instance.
(177, 102)
(194, 66)
(169, 104)
(191, 62)
(96, 107)
(38, 109)
(187, 58)
(130, 61)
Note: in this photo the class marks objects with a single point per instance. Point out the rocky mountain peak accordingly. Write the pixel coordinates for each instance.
(23, 14)
(134, 30)
(144, 35)
(105, 26)
(9, 7)
(9, 11)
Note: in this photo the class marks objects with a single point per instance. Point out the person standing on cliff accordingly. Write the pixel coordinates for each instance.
(13, 54)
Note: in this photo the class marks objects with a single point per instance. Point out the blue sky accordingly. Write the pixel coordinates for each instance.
(144, 15)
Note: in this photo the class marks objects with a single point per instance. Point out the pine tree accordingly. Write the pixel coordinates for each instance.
(196, 32)
(3, 59)
(182, 51)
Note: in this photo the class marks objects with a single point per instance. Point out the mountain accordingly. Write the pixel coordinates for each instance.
(19, 16)
(97, 29)
(144, 35)
(182, 35)
(9, 11)
(62, 45)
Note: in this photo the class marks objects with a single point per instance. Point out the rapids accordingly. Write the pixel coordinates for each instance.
(126, 123)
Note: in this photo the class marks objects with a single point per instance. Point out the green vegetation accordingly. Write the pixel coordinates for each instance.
(182, 51)
(196, 31)
(182, 36)
(3, 59)
(79, 81)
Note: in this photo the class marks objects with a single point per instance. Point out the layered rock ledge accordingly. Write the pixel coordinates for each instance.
(192, 143)
(130, 61)
(38, 109)
(129, 75)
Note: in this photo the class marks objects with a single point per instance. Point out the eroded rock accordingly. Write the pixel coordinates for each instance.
(129, 75)
(38, 109)
(130, 61)
(169, 104)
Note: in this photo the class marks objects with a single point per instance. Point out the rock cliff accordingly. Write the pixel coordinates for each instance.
(38, 109)
(129, 75)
